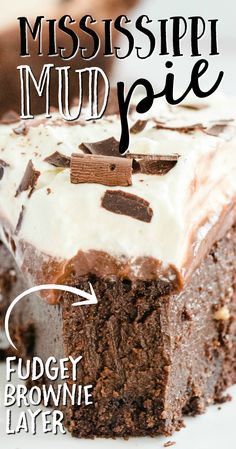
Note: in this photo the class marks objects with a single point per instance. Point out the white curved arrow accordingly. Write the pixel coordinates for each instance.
(90, 299)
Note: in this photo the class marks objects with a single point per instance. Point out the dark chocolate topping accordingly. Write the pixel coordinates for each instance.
(107, 147)
(58, 159)
(124, 203)
(29, 179)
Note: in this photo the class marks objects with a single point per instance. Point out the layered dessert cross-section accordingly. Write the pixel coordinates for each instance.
(154, 232)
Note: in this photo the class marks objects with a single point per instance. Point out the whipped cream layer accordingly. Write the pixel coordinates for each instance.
(60, 219)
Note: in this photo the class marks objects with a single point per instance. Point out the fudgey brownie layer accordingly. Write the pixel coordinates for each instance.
(150, 354)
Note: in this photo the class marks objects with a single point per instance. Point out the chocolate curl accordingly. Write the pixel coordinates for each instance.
(106, 170)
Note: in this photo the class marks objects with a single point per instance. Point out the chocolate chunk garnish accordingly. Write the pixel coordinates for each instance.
(20, 219)
(124, 203)
(222, 129)
(9, 117)
(138, 126)
(182, 129)
(29, 179)
(58, 159)
(107, 147)
(1, 172)
(153, 164)
(106, 170)
(22, 129)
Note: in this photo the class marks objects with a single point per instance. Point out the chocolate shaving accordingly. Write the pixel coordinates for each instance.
(182, 129)
(169, 444)
(194, 106)
(22, 129)
(222, 129)
(223, 121)
(29, 179)
(123, 203)
(107, 147)
(20, 219)
(9, 117)
(3, 164)
(153, 164)
(106, 170)
(58, 159)
(138, 126)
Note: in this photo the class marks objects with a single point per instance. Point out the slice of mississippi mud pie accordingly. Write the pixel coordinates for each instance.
(154, 232)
